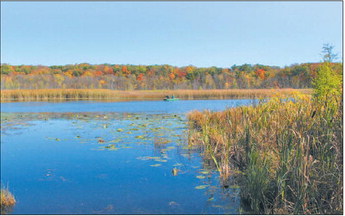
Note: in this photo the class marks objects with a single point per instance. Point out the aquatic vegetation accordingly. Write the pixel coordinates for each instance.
(200, 187)
(163, 153)
(101, 140)
(217, 206)
(204, 172)
(111, 147)
(286, 153)
(115, 140)
(157, 159)
(175, 171)
(7, 201)
(161, 141)
(161, 160)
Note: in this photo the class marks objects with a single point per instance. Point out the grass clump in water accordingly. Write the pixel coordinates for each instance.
(7, 201)
(289, 150)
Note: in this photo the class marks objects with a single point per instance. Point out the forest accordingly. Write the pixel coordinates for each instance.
(158, 77)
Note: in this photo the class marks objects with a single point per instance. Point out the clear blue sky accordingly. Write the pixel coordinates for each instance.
(177, 33)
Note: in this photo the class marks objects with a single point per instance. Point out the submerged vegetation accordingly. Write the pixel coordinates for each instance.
(288, 152)
(7, 201)
(106, 94)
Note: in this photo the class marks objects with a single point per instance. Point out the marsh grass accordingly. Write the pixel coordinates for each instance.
(7, 201)
(106, 94)
(289, 151)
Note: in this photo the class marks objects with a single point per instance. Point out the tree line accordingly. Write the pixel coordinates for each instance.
(150, 77)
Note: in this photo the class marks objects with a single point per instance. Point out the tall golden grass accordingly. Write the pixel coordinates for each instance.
(7, 201)
(290, 153)
(106, 94)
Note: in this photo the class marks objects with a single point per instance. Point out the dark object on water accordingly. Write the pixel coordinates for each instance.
(175, 99)
(172, 98)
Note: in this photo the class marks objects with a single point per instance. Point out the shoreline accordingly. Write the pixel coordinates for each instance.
(22, 95)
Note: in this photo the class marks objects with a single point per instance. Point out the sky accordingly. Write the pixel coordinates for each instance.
(202, 34)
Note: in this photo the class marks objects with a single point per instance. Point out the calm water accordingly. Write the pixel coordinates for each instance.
(182, 106)
(109, 158)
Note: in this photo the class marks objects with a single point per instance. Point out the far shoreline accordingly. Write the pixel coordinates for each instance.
(60, 95)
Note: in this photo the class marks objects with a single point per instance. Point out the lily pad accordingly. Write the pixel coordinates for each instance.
(204, 172)
(201, 187)
(119, 130)
(111, 147)
(200, 177)
(156, 165)
(153, 158)
(160, 160)
(115, 141)
(217, 206)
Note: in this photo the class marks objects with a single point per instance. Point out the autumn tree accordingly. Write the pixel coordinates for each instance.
(260, 73)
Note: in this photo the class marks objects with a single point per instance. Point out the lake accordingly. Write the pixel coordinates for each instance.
(89, 157)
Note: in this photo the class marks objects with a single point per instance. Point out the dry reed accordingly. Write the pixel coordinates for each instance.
(106, 94)
(290, 153)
